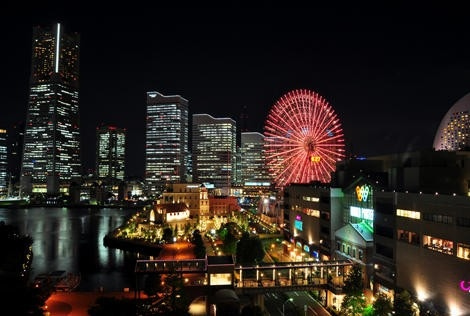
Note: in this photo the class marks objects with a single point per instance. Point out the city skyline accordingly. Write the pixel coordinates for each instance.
(407, 71)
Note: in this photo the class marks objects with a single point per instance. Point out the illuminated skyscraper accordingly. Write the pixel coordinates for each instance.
(166, 148)
(110, 152)
(214, 150)
(51, 155)
(3, 163)
(253, 163)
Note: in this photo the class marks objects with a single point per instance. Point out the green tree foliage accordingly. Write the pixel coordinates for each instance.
(249, 250)
(199, 248)
(403, 304)
(230, 243)
(15, 263)
(382, 306)
(354, 301)
(167, 235)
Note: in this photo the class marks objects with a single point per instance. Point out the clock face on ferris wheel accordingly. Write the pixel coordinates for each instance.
(303, 139)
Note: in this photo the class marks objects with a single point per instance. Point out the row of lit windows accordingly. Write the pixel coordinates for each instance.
(349, 250)
(310, 198)
(409, 214)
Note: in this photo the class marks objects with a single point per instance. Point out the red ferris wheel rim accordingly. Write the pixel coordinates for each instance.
(303, 138)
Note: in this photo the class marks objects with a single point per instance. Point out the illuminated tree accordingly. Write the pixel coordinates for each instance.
(382, 306)
(403, 304)
(354, 301)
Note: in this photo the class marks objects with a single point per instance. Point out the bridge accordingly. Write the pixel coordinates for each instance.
(280, 276)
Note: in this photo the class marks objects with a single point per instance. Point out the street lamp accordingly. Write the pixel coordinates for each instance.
(289, 299)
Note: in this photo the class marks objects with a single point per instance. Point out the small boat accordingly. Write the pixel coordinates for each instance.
(68, 283)
(59, 281)
(13, 201)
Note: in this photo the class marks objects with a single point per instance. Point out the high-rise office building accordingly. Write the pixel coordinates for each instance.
(253, 164)
(51, 155)
(15, 153)
(3, 163)
(110, 152)
(167, 135)
(214, 146)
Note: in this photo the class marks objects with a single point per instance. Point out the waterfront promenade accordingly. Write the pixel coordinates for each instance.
(78, 303)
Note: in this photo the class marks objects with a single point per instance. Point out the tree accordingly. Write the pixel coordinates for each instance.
(382, 306)
(199, 248)
(230, 243)
(354, 301)
(167, 235)
(249, 250)
(403, 304)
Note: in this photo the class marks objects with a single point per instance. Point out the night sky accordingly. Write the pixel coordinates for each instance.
(390, 72)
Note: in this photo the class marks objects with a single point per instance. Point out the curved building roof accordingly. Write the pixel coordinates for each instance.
(453, 133)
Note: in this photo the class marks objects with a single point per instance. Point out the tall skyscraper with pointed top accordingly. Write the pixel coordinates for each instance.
(51, 154)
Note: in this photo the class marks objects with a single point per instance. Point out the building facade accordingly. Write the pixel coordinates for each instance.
(110, 153)
(4, 181)
(214, 147)
(193, 195)
(51, 155)
(454, 130)
(403, 217)
(167, 138)
(253, 161)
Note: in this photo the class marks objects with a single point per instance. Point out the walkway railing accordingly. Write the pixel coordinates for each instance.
(171, 266)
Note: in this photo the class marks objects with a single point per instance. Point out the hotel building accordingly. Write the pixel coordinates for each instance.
(214, 147)
(51, 154)
(166, 149)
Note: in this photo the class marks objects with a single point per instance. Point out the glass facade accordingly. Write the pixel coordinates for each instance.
(110, 152)
(166, 151)
(253, 164)
(214, 150)
(51, 153)
(3, 163)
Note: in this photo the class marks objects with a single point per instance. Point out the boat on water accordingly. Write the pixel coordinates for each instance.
(68, 283)
(59, 281)
(13, 201)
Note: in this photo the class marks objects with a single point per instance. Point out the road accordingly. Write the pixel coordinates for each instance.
(302, 304)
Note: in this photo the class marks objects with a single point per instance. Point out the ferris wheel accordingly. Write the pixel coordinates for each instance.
(303, 139)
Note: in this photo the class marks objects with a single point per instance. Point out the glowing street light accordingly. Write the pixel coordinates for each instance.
(289, 299)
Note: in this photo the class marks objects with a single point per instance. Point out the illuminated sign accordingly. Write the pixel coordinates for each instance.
(306, 248)
(362, 192)
(465, 286)
(364, 213)
(298, 225)
(298, 217)
(315, 158)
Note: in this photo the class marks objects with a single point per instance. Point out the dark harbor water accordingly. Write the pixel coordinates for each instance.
(71, 239)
